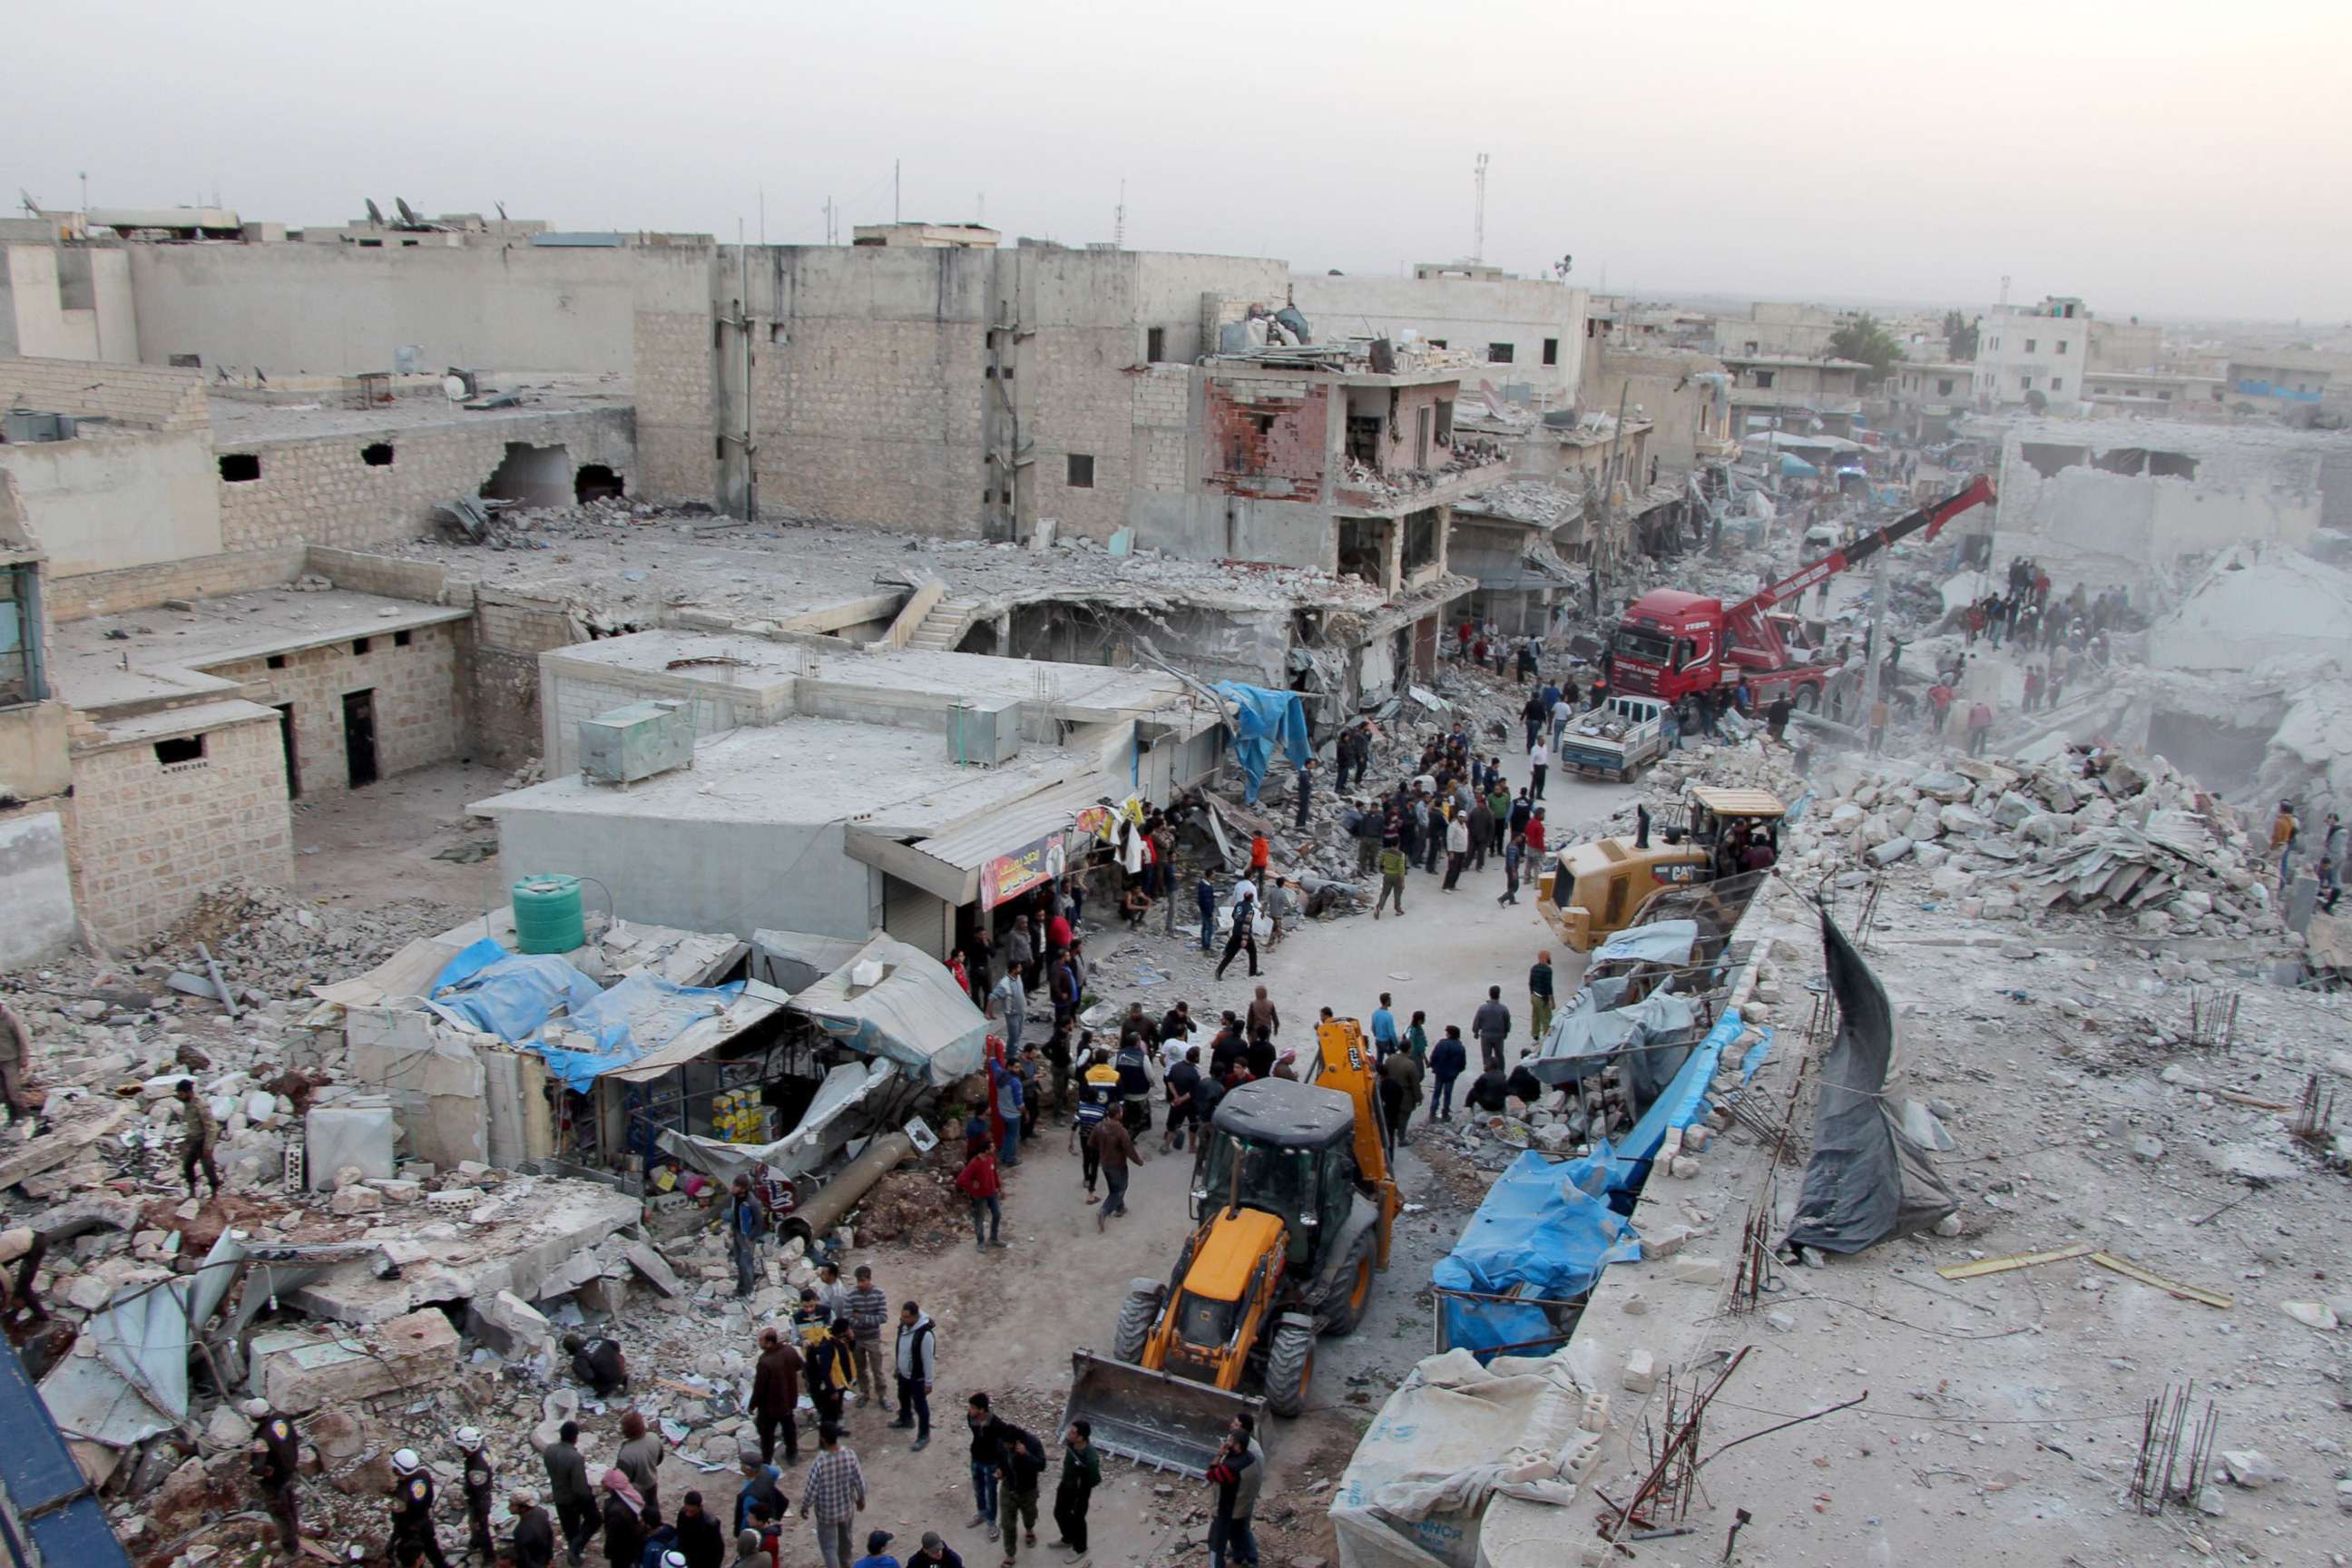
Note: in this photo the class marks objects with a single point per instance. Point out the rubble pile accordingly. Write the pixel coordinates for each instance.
(2082, 829)
(269, 942)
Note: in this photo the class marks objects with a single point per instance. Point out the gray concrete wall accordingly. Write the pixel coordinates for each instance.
(123, 499)
(1467, 314)
(37, 887)
(336, 310)
(708, 876)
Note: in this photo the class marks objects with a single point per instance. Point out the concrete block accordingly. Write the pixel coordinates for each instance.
(1596, 1413)
(1641, 1371)
(1694, 1269)
(508, 1324)
(300, 1369)
(361, 1137)
(356, 1199)
(1682, 1167)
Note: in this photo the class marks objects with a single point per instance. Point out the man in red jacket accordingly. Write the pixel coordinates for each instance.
(979, 1182)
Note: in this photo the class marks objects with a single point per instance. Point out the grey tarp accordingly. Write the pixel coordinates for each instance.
(137, 1385)
(1868, 1179)
(1583, 1038)
(796, 960)
(899, 1004)
(1660, 941)
(824, 1127)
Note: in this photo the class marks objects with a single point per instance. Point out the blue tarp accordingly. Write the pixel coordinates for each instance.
(1264, 717)
(513, 996)
(1544, 1231)
(1683, 1102)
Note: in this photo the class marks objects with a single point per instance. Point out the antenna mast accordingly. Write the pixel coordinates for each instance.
(1118, 220)
(1478, 225)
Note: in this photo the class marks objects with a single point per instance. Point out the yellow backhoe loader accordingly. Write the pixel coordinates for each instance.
(1296, 1202)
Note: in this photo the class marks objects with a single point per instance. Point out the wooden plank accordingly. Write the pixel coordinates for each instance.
(2016, 1260)
(2131, 1270)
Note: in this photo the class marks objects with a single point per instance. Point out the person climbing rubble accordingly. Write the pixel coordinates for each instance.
(275, 1463)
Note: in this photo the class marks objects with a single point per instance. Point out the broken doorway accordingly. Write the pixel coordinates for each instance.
(535, 476)
(359, 737)
(293, 759)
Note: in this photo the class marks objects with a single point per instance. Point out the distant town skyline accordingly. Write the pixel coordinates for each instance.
(2146, 160)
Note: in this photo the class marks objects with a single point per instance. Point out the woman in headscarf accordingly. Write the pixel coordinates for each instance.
(625, 1522)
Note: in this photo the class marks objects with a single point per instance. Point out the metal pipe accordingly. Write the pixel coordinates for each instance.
(838, 1196)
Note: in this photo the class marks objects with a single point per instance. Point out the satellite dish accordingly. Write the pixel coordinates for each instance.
(407, 216)
(454, 387)
(376, 213)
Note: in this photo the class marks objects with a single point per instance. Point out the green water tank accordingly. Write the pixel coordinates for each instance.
(547, 914)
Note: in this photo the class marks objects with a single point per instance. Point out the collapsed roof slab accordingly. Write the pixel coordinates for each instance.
(512, 1237)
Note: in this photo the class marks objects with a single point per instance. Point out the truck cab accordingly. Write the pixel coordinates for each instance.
(1667, 645)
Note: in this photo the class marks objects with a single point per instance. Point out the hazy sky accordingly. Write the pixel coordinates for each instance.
(2151, 155)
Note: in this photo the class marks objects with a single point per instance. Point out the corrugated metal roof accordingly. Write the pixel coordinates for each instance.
(1023, 821)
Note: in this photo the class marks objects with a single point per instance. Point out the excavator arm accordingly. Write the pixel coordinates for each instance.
(1344, 1062)
(1931, 518)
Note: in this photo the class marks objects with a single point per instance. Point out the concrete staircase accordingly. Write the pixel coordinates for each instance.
(940, 630)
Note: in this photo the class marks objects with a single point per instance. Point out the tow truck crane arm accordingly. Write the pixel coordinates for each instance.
(1932, 518)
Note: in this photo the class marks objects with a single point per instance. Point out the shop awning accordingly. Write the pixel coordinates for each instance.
(950, 864)
(900, 1005)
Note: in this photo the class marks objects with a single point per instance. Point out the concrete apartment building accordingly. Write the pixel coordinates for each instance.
(1788, 392)
(2022, 350)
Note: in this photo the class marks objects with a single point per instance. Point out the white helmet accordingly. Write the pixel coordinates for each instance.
(673, 1560)
(404, 1461)
(469, 1438)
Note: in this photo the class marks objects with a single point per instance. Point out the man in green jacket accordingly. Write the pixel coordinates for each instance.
(1081, 1473)
(1393, 867)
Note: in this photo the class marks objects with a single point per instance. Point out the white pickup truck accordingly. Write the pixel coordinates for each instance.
(1614, 741)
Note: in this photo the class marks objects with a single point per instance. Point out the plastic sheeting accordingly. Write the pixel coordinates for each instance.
(807, 1145)
(1868, 1178)
(916, 1016)
(796, 960)
(1263, 720)
(1544, 1232)
(515, 995)
(1660, 941)
(511, 995)
(1454, 1436)
(1586, 1035)
(1680, 1103)
(137, 1385)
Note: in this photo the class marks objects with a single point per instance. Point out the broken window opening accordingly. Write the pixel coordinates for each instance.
(1364, 439)
(1155, 345)
(187, 362)
(1079, 470)
(2046, 458)
(1551, 350)
(276, 661)
(377, 454)
(535, 476)
(1763, 379)
(1499, 353)
(1421, 540)
(1445, 422)
(402, 639)
(594, 481)
(360, 646)
(240, 467)
(179, 749)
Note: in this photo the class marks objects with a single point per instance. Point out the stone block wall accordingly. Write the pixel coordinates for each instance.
(420, 714)
(676, 408)
(197, 577)
(509, 633)
(150, 836)
(321, 489)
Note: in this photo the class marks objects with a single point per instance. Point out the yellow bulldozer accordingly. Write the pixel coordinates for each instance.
(1294, 1203)
(1600, 888)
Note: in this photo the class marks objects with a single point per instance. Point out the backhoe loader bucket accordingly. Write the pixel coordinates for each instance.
(1165, 1422)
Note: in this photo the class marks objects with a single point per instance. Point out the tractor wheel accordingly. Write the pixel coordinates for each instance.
(1809, 698)
(1289, 1368)
(1137, 1317)
(1347, 1308)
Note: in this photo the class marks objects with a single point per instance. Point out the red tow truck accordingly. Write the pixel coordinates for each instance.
(1672, 643)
